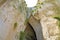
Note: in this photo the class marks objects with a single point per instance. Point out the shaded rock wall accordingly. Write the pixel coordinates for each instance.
(12, 18)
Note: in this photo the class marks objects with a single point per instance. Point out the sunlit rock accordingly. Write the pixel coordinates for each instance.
(46, 16)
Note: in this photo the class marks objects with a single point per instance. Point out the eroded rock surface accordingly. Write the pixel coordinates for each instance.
(12, 19)
(49, 24)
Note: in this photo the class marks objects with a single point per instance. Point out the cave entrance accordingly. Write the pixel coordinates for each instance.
(31, 35)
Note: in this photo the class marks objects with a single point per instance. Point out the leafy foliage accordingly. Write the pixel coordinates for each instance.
(22, 7)
(15, 25)
(57, 14)
(58, 18)
(37, 7)
(22, 35)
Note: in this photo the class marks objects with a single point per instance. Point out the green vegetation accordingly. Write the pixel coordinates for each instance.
(58, 20)
(57, 14)
(22, 35)
(15, 25)
(26, 21)
(38, 6)
(22, 6)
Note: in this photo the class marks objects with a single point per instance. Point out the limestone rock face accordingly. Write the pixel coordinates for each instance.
(12, 19)
(45, 14)
(50, 28)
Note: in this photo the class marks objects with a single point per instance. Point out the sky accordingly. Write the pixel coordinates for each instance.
(31, 3)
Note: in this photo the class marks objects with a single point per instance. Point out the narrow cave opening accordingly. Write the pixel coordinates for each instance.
(30, 33)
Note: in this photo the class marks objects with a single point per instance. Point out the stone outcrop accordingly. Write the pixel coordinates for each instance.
(45, 15)
(12, 18)
(37, 28)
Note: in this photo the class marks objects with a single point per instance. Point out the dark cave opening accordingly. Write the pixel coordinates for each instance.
(30, 33)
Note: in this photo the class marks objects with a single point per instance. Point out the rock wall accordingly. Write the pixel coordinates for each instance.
(12, 18)
(45, 14)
